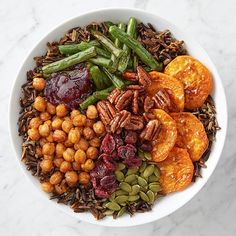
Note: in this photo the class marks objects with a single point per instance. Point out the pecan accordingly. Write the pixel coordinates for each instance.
(148, 116)
(124, 100)
(130, 76)
(143, 77)
(162, 100)
(136, 123)
(120, 120)
(135, 87)
(106, 111)
(148, 104)
(151, 131)
(135, 102)
(114, 95)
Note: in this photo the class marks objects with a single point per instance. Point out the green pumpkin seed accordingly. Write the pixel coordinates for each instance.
(135, 190)
(104, 204)
(148, 171)
(148, 155)
(121, 192)
(156, 172)
(125, 186)
(121, 212)
(144, 196)
(113, 206)
(132, 171)
(142, 182)
(123, 204)
(121, 166)
(133, 198)
(134, 182)
(141, 154)
(154, 187)
(144, 189)
(143, 167)
(112, 197)
(108, 212)
(119, 175)
(121, 199)
(152, 179)
(130, 178)
(151, 196)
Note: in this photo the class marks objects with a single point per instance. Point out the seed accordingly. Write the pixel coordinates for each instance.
(144, 196)
(141, 155)
(133, 198)
(123, 204)
(142, 182)
(112, 197)
(154, 187)
(108, 212)
(121, 192)
(121, 199)
(121, 166)
(135, 190)
(156, 172)
(130, 178)
(148, 171)
(152, 178)
(121, 212)
(148, 155)
(142, 167)
(113, 206)
(132, 171)
(125, 186)
(119, 175)
(134, 182)
(151, 196)
(144, 189)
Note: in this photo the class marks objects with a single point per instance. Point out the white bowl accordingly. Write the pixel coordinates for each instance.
(170, 203)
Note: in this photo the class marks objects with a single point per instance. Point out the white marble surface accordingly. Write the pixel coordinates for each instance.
(211, 212)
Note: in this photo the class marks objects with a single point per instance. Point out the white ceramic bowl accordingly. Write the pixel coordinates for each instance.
(170, 203)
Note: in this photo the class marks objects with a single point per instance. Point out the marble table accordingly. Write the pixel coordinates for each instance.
(211, 212)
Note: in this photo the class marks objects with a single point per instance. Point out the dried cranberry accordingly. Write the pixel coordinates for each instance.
(126, 151)
(131, 137)
(108, 144)
(101, 193)
(133, 162)
(108, 183)
(110, 163)
(118, 140)
(146, 146)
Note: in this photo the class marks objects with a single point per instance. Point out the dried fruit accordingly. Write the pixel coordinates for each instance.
(108, 144)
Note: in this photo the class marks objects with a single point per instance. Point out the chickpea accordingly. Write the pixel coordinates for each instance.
(74, 136)
(74, 113)
(68, 143)
(99, 128)
(35, 122)
(88, 165)
(59, 136)
(34, 134)
(57, 162)
(65, 166)
(44, 116)
(39, 84)
(89, 123)
(49, 123)
(61, 110)
(47, 187)
(60, 148)
(79, 120)
(48, 157)
(51, 109)
(56, 123)
(50, 137)
(76, 166)
(71, 177)
(92, 153)
(95, 142)
(69, 154)
(40, 104)
(44, 130)
(82, 144)
(42, 141)
(92, 112)
(48, 149)
(67, 125)
(61, 188)
(56, 178)
(38, 151)
(46, 165)
(80, 156)
(84, 178)
(79, 129)
(88, 133)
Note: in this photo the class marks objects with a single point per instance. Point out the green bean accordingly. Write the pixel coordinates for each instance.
(108, 44)
(131, 31)
(101, 61)
(135, 63)
(108, 23)
(69, 61)
(117, 82)
(144, 55)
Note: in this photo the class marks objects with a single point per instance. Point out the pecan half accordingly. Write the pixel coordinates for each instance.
(162, 100)
(136, 123)
(135, 87)
(148, 104)
(114, 95)
(106, 111)
(151, 131)
(124, 100)
(130, 76)
(120, 120)
(143, 77)
(135, 102)
(148, 116)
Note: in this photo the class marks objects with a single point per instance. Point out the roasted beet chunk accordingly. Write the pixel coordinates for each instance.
(108, 144)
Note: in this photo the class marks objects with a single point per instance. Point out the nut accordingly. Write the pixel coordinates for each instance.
(136, 123)
(162, 100)
(124, 100)
(120, 120)
(151, 131)
(143, 77)
(135, 102)
(148, 104)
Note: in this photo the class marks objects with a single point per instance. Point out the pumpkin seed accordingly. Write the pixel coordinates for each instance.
(141, 154)
(113, 206)
(123, 204)
(112, 197)
(130, 178)
(144, 196)
(119, 175)
(135, 190)
(143, 167)
(134, 182)
(121, 212)
(148, 155)
(142, 182)
(133, 198)
(132, 171)
(121, 166)
(125, 186)
(152, 178)
(121, 192)
(154, 187)
(121, 199)
(148, 171)
(151, 196)
(156, 172)
(144, 189)
(108, 212)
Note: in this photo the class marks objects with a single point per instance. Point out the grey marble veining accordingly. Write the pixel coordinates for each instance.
(211, 212)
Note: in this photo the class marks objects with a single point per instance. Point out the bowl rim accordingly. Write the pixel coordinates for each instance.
(10, 127)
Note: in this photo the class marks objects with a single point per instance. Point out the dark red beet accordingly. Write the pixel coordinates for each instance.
(131, 137)
(69, 87)
(108, 144)
(126, 151)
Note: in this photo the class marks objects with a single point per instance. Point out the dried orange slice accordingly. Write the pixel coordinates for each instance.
(176, 171)
(191, 134)
(167, 137)
(196, 78)
(173, 86)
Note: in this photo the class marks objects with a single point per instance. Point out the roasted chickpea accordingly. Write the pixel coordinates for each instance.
(82, 144)
(44, 116)
(57, 123)
(61, 188)
(51, 109)
(34, 134)
(71, 178)
(40, 104)
(59, 136)
(65, 166)
(79, 120)
(88, 165)
(48, 157)
(92, 112)
(44, 130)
(42, 141)
(74, 136)
(88, 133)
(95, 142)
(92, 153)
(56, 178)
(61, 110)
(47, 187)
(60, 148)
(84, 178)
(38, 151)
(89, 123)
(80, 156)
(74, 113)
(35, 122)
(50, 137)
(49, 123)
(69, 154)
(99, 128)
(79, 129)
(67, 125)
(76, 166)
(48, 149)
(68, 143)
(39, 84)
(46, 165)
(57, 162)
